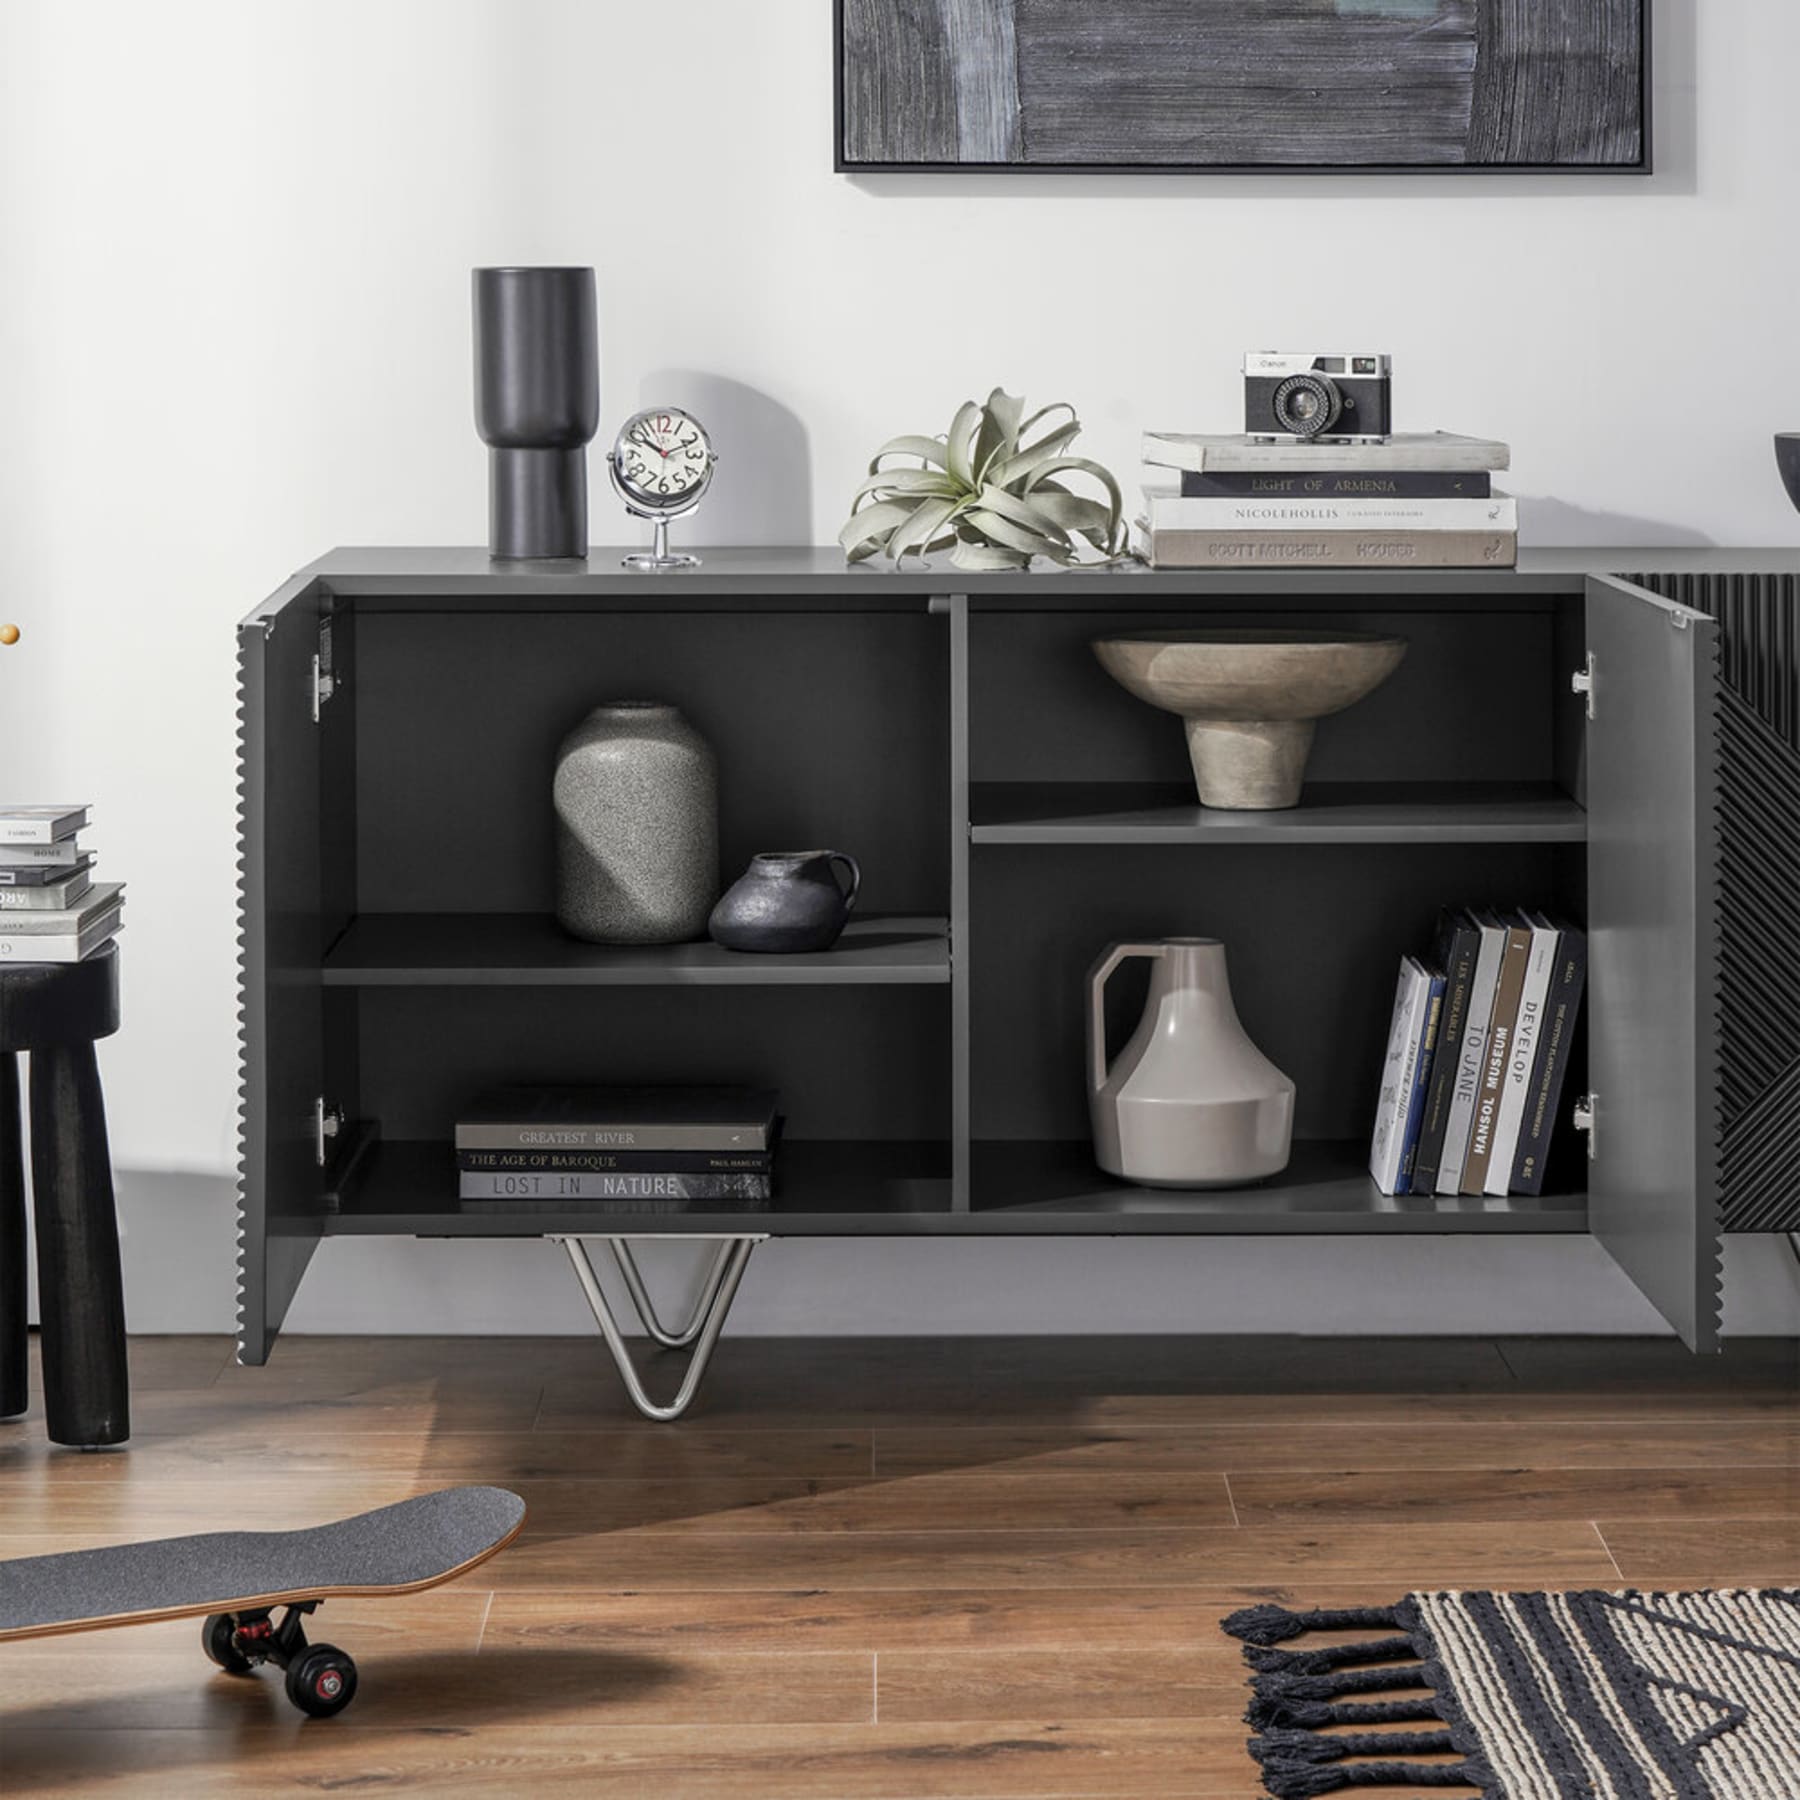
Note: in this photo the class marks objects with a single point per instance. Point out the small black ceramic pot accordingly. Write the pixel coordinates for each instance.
(787, 901)
(1787, 460)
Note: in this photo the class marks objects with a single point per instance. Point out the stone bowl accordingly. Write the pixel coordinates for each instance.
(1787, 460)
(1251, 699)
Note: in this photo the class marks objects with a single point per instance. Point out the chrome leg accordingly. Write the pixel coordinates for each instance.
(722, 1288)
(646, 1307)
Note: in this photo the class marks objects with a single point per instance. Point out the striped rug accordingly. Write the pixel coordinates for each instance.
(1583, 1696)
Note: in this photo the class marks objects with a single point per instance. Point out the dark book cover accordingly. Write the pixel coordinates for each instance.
(618, 1118)
(615, 1162)
(1458, 945)
(1429, 1039)
(1555, 1042)
(1337, 484)
(1493, 1058)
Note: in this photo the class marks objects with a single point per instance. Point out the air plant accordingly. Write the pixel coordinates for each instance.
(997, 500)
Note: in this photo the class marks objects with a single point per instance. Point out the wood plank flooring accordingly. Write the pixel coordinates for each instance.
(881, 1570)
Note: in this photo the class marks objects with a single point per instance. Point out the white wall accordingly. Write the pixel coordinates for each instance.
(235, 238)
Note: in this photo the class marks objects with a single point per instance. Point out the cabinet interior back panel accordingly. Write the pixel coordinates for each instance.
(1475, 699)
(1313, 937)
(848, 1063)
(831, 731)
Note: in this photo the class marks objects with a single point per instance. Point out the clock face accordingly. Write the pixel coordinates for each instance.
(663, 458)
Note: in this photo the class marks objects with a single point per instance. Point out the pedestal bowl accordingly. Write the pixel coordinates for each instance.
(1250, 699)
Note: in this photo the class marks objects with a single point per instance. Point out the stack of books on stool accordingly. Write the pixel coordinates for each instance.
(623, 1149)
(1409, 501)
(51, 908)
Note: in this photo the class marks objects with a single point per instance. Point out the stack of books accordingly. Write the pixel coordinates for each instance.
(1412, 501)
(51, 908)
(1477, 1056)
(673, 1149)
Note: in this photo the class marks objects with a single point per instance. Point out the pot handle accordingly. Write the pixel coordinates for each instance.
(832, 858)
(1097, 979)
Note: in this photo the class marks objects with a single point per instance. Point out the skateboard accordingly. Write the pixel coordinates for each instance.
(237, 1579)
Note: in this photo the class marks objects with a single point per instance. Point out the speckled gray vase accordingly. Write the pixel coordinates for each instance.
(637, 826)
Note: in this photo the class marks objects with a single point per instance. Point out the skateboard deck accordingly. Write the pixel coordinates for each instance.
(237, 1577)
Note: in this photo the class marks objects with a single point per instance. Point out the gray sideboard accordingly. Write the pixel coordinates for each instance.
(1013, 811)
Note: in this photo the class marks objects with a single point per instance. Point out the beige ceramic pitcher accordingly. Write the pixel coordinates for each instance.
(1189, 1102)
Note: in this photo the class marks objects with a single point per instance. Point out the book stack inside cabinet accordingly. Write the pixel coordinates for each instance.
(1478, 1054)
(638, 1150)
(1419, 500)
(51, 908)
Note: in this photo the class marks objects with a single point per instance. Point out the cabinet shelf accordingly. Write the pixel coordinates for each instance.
(405, 1186)
(1426, 812)
(1324, 1190)
(532, 950)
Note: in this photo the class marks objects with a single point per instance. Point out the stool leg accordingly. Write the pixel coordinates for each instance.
(14, 1395)
(81, 1300)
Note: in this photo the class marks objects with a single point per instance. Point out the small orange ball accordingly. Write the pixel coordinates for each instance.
(9, 634)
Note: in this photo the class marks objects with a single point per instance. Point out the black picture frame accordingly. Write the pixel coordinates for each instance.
(1644, 164)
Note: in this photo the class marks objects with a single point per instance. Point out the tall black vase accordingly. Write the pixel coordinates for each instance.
(537, 403)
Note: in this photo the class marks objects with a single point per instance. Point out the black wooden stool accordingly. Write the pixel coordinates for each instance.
(57, 1011)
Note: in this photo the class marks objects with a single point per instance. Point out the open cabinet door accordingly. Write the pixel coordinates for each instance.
(281, 1192)
(1653, 1181)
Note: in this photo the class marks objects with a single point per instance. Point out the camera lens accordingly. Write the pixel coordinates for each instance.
(1306, 405)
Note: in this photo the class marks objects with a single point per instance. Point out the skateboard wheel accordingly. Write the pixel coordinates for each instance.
(321, 1680)
(216, 1632)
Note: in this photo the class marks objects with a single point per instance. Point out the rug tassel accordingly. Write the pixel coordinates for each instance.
(1274, 1712)
(1315, 1747)
(1331, 1656)
(1278, 1685)
(1276, 1624)
(1303, 1781)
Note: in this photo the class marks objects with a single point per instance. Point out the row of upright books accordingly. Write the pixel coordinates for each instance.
(51, 908)
(1414, 500)
(636, 1149)
(1478, 1054)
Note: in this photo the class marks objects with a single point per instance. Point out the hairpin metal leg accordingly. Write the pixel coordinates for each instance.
(646, 1307)
(721, 1290)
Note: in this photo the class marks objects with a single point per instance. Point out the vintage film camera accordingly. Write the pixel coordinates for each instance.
(1305, 399)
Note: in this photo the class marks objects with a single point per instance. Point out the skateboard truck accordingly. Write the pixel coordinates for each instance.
(699, 1335)
(321, 1679)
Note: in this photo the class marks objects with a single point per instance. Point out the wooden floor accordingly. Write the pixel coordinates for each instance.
(866, 1570)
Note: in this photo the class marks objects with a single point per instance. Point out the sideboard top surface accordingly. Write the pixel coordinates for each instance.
(439, 577)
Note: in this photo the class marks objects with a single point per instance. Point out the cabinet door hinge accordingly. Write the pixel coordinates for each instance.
(1582, 681)
(1584, 1121)
(328, 1126)
(324, 682)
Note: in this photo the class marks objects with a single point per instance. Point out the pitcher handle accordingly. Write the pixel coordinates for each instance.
(833, 857)
(1097, 979)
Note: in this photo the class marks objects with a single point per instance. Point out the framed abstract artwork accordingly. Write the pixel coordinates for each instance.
(1262, 86)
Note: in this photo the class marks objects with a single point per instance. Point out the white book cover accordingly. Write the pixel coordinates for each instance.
(64, 854)
(1412, 994)
(62, 947)
(1404, 452)
(40, 824)
(1476, 1027)
(30, 922)
(1521, 1056)
(45, 896)
(1168, 511)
